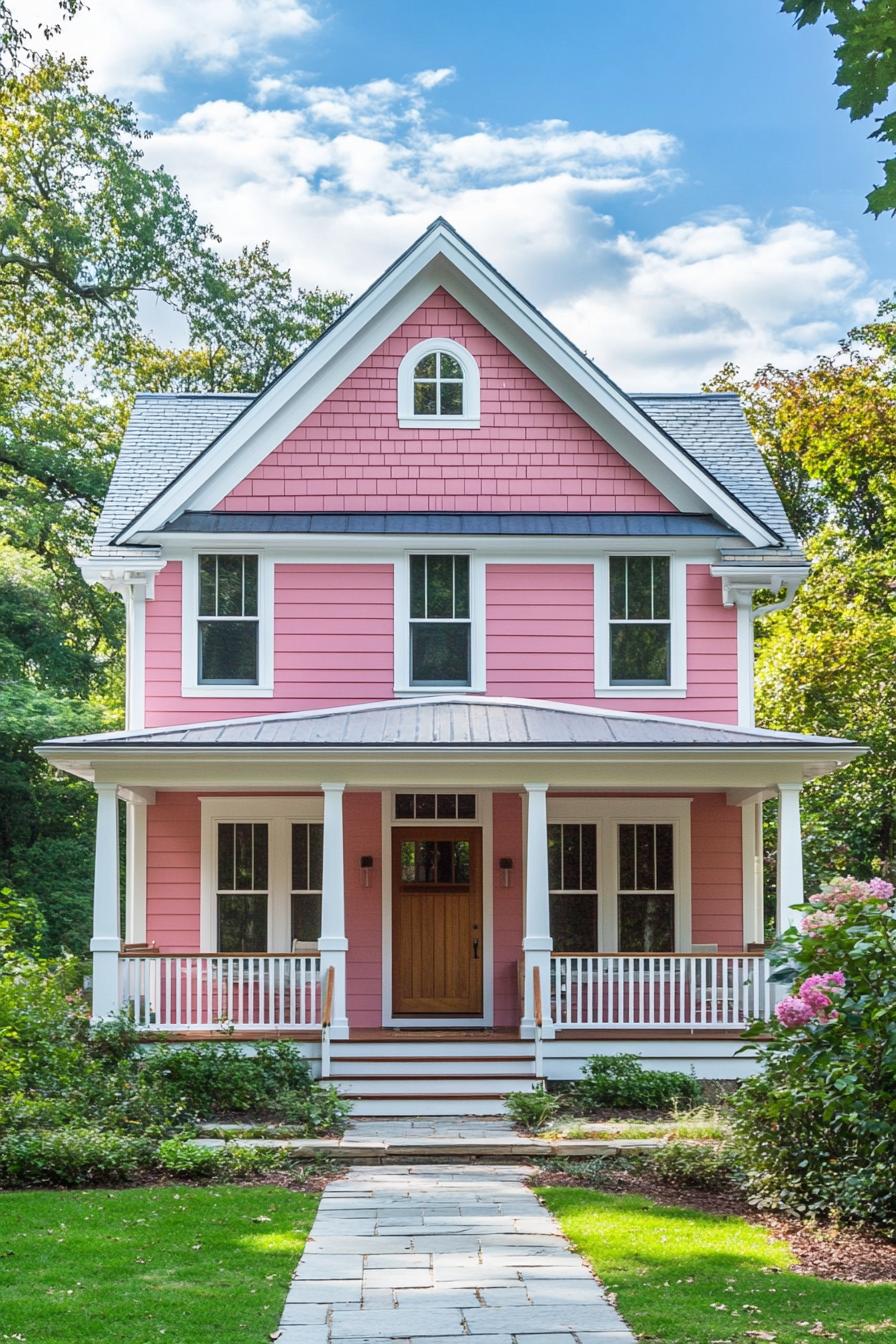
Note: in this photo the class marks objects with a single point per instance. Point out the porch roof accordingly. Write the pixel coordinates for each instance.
(455, 721)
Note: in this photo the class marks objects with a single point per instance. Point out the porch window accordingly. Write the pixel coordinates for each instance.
(440, 635)
(640, 621)
(242, 886)
(646, 888)
(435, 806)
(228, 620)
(306, 884)
(572, 880)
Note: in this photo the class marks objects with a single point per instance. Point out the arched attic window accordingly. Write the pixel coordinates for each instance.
(438, 387)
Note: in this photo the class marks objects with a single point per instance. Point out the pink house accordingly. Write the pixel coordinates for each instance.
(440, 754)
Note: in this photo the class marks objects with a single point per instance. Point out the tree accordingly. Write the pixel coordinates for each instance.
(866, 70)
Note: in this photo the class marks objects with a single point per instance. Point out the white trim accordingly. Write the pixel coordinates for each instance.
(746, 716)
(296, 548)
(750, 874)
(442, 258)
(407, 419)
(402, 616)
(485, 823)
(190, 686)
(135, 869)
(678, 640)
(608, 813)
(279, 813)
(135, 656)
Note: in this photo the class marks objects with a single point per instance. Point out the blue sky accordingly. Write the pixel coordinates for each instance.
(669, 179)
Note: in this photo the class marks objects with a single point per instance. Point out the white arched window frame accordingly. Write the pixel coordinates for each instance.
(469, 419)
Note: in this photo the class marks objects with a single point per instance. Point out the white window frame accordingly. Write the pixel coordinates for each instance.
(190, 684)
(406, 416)
(678, 622)
(402, 638)
(610, 813)
(278, 814)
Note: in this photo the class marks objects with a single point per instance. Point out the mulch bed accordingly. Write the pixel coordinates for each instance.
(849, 1255)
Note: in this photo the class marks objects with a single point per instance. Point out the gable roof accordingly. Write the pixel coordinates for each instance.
(442, 258)
(168, 431)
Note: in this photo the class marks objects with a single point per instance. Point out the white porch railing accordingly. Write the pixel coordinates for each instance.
(204, 993)
(638, 992)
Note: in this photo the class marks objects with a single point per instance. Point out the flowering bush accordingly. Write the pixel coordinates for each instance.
(815, 1132)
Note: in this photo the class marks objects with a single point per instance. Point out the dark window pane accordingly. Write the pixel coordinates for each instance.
(446, 805)
(225, 856)
(449, 367)
(466, 805)
(555, 857)
(574, 923)
(300, 858)
(665, 870)
(305, 917)
(461, 587)
(645, 879)
(243, 878)
(230, 585)
(425, 806)
(316, 855)
(404, 806)
(451, 399)
(444, 861)
(660, 588)
(640, 587)
(617, 588)
(461, 860)
(571, 849)
(646, 924)
(440, 586)
(424, 398)
(589, 858)
(250, 585)
(626, 858)
(208, 566)
(242, 923)
(440, 653)
(426, 368)
(228, 652)
(639, 655)
(418, 586)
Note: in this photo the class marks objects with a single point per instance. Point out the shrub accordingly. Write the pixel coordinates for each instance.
(815, 1133)
(531, 1110)
(709, 1166)
(313, 1110)
(619, 1080)
(212, 1078)
(72, 1156)
(193, 1161)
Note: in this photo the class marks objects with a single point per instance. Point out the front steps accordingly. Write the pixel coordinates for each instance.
(414, 1075)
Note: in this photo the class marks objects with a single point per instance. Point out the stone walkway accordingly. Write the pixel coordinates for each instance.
(424, 1254)
(457, 1128)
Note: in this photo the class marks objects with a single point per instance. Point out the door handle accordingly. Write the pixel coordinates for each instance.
(475, 949)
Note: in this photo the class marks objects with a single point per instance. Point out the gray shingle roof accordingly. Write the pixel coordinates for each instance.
(168, 431)
(451, 722)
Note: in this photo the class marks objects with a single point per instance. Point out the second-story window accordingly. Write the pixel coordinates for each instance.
(440, 635)
(438, 385)
(640, 620)
(228, 620)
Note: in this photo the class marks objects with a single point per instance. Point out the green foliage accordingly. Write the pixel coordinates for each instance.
(72, 1156)
(708, 1166)
(232, 1162)
(532, 1111)
(866, 70)
(619, 1080)
(815, 1133)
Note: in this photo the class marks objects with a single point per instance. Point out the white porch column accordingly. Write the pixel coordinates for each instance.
(537, 941)
(333, 943)
(790, 856)
(106, 941)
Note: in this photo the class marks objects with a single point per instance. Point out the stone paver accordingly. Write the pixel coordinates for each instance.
(427, 1254)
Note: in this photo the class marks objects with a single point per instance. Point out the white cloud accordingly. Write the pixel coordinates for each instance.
(132, 44)
(343, 179)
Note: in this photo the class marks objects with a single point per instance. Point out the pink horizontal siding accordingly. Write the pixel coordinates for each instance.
(531, 451)
(540, 631)
(173, 840)
(717, 914)
(507, 906)
(363, 910)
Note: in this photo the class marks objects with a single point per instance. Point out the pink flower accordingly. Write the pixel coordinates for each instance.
(816, 920)
(880, 890)
(813, 991)
(846, 890)
(793, 1012)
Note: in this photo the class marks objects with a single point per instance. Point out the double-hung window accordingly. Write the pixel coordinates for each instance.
(242, 886)
(572, 883)
(440, 645)
(306, 883)
(640, 618)
(646, 891)
(228, 623)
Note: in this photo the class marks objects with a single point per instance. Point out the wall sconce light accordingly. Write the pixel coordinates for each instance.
(366, 865)
(506, 866)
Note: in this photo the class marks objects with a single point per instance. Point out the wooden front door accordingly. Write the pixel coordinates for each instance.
(437, 921)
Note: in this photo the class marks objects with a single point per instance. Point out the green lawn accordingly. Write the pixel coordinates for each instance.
(683, 1277)
(185, 1264)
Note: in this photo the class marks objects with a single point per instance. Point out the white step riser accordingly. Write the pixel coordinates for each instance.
(431, 1049)
(417, 1106)
(430, 1087)
(456, 1068)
